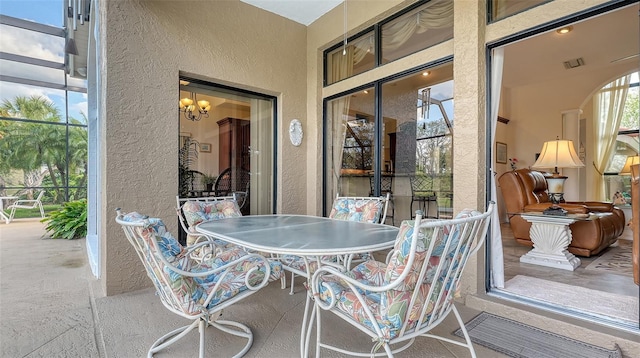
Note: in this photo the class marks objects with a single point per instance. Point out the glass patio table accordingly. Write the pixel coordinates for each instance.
(301, 235)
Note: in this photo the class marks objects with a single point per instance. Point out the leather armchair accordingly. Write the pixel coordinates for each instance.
(635, 219)
(525, 190)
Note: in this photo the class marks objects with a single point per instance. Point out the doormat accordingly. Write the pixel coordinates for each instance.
(615, 260)
(519, 340)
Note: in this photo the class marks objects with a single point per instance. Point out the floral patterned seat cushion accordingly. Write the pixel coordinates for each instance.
(362, 210)
(191, 292)
(391, 307)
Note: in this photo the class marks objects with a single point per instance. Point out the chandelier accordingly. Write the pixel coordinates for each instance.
(187, 107)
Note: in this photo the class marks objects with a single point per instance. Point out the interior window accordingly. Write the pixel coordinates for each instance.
(356, 57)
(499, 9)
(418, 29)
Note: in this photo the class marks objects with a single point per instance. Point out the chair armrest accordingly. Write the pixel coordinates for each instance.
(596, 206)
(21, 202)
(350, 281)
(571, 208)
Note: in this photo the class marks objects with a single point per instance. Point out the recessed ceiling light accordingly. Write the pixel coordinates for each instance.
(366, 92)
(564, 30)
(426, 73)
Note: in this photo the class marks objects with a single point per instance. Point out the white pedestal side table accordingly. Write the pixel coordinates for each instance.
(551, 236)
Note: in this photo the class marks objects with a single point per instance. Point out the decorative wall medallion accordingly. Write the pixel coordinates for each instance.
(295, 132)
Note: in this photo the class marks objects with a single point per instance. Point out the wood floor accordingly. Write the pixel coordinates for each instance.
(597, 280)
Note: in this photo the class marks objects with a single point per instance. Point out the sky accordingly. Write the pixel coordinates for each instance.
(33, 44)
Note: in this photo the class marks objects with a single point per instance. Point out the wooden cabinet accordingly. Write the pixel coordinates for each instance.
(235, 138)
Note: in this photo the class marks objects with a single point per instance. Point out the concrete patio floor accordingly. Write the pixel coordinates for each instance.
(48, 309)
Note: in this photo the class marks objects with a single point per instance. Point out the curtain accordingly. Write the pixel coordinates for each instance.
(438, 15)
(261, 156)
(338, 113)
(497, 256)
(608, 105)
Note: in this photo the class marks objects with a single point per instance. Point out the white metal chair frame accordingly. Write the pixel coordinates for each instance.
(204, 317)
(340, 261)
(27, 204)
(472, 231)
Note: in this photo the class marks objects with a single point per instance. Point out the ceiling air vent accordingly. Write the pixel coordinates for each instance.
(576, 62)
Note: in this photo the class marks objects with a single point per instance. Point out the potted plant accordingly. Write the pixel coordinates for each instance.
(208, 181)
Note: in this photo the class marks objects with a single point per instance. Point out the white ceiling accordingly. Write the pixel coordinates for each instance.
(301, 11)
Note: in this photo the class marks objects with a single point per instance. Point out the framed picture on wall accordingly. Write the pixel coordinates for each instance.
(205, 147)
(501, 153)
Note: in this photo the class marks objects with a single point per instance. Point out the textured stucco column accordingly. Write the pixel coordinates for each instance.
(469, 72)
(146, 46)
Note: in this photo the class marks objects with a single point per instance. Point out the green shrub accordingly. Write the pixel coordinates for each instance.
(70, 222)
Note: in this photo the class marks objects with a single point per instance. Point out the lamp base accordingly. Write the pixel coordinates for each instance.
(555, 210)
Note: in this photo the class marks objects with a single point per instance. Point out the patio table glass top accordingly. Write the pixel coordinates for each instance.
(301, 234)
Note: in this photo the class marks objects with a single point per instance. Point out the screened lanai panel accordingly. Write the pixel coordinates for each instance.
(34, 156)
(77, 107)
(78, 162)
(417, 29)
(26, 71)
(18, 41)
(33, 102)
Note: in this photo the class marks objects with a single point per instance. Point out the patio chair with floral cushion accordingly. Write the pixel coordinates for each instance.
(193, 211)
(349, 208)
(410, 294)
(196, 289)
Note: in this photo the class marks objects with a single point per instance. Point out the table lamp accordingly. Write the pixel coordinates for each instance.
(626, 170)
(557, 154)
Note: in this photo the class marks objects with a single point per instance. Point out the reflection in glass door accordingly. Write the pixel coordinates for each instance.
(226, 145)
(417, 110)
(351, 145)
(370, 153)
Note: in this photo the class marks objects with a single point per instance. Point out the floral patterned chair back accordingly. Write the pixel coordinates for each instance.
(193, 211)
(362, 209)
(414, 291)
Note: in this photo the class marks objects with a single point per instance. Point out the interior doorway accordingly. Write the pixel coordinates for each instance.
(549, 82)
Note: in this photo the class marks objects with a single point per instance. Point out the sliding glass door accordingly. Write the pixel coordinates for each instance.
(226, 145)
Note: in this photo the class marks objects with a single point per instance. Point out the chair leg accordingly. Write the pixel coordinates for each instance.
(464, 331)
(201, 327)
(230, 327)
(41, 210)
(13, 212)
(292, 283)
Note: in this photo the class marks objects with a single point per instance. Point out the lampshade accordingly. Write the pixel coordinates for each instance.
(559, 153)
(626, 170)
